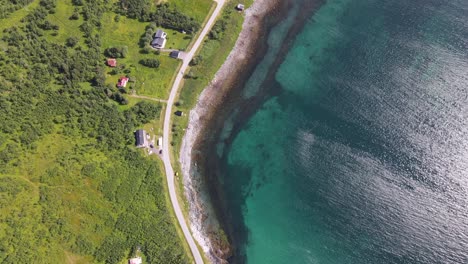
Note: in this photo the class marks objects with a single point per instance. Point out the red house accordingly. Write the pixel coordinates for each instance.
(112, 62)
(122, 82)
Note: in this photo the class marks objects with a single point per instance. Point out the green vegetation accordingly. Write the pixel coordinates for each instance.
(151, 63)
(218, 29)
(16, 17)
(173, 19)
(73, 189)
(7, 6)
(198, 9)
(163, 15)
(116, 52)
(128, 32)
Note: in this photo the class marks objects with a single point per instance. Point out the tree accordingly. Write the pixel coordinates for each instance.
(72, 41)
(75, 15)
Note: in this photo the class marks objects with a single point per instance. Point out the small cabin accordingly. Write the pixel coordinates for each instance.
(122, 82)
(111, 62)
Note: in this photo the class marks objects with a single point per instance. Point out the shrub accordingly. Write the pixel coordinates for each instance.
(196, 60)
(116, 52)
(151, 63)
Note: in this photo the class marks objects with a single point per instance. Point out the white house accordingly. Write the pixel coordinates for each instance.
(136, 260)
(159, 40)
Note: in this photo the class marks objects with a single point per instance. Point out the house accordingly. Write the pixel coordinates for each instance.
(140, 136)
(240, 7)
(159, 40)
(122, 82)
(136, 260)
(174, 54)
(112, 62)
(158, 43)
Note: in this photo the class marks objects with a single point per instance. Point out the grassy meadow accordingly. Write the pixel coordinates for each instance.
(149, 81)
(194, 8)
(15, 17)
(73, 188)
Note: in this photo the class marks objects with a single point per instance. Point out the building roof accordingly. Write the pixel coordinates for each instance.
(240, 7)
(112, 62)
(140, 136)
(158, 43)
(122, 82)
(160, 34)
(135, 261)
(159, 40)
(174, 54)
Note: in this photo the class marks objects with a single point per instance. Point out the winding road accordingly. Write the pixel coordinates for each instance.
(166, 133)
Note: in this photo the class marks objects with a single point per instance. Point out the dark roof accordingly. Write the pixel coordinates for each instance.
(140, 135)
(174, 54)
(157, 42)
(159, 34)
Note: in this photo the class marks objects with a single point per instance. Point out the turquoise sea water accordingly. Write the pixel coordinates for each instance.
(362, 156)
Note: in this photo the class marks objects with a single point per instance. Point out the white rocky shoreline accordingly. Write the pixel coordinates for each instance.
(201, 215)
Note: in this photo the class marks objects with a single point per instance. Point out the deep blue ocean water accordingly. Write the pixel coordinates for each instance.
(362, 156)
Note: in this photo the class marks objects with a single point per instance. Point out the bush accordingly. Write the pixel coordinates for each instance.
(196, 60)
(116, 52)
(218, 29)
(151, 63)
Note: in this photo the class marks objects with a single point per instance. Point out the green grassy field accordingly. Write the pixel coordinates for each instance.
(68, 28)
(193, 8)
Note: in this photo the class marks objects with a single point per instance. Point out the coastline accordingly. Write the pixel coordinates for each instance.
(223, 106)
(204, 222)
